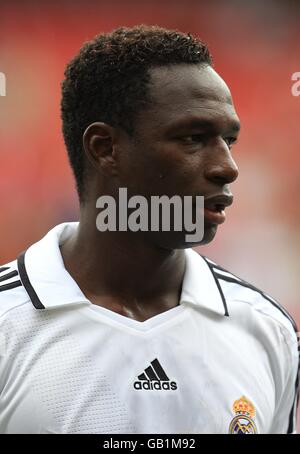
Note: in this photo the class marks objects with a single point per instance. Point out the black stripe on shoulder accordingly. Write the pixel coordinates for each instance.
(10, 286)
(292, 417)
(8, 276)
(27, 284)
(252, 287)
(293, 413)
(4, 268)
(210, 265)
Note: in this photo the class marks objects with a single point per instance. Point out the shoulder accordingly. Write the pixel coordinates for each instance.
(243, 296)
(12, 292)
(271, 327)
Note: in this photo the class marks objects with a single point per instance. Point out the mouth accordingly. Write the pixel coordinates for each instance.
(214, 208)
(215, 216)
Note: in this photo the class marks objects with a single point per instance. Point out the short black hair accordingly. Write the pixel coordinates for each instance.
(107, 81)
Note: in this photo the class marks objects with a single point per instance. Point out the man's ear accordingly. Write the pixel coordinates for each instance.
(99, 146)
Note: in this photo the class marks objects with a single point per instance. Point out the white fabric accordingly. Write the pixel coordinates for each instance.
(72, 367)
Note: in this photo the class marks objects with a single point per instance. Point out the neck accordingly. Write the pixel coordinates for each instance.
(122, 266)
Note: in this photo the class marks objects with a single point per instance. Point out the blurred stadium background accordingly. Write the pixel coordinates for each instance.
(256, 49)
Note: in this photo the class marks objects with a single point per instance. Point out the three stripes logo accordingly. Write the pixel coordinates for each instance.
(154, 378)
(8, 279)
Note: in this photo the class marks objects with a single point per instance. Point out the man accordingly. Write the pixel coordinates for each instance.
(133, 332)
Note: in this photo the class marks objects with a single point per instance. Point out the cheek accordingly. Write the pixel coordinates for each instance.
(182, 174)
(163, 170)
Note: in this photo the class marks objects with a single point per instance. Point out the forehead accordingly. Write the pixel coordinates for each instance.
(179, 92)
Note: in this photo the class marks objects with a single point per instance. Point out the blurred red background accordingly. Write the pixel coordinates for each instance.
(255, 49)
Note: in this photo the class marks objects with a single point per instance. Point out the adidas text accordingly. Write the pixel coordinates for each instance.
(155, 385)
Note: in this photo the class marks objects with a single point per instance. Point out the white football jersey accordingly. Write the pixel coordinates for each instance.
(225, 360)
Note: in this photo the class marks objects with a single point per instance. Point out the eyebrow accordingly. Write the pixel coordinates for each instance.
(232, 126)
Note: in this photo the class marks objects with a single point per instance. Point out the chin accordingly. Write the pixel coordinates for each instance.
(176, 240)
(209, 234)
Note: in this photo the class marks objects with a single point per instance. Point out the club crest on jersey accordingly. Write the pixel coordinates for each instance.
(243, 422)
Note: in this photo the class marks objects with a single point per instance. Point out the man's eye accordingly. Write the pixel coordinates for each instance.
(194, 138)
(230, 141)
(202, 138)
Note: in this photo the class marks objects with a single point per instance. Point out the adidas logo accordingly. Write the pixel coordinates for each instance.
(154, 377)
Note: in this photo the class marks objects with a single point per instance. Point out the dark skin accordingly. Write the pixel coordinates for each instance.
(181, 145)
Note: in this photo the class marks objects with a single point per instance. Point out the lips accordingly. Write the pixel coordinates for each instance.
(214, 208)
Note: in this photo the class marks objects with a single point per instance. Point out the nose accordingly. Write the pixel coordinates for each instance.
(222, 169)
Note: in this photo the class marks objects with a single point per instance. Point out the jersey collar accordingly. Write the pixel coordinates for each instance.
(43, 274)
(200, 285)
(49, 285)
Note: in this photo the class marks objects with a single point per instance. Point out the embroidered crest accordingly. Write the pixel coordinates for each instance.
(243, 422)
